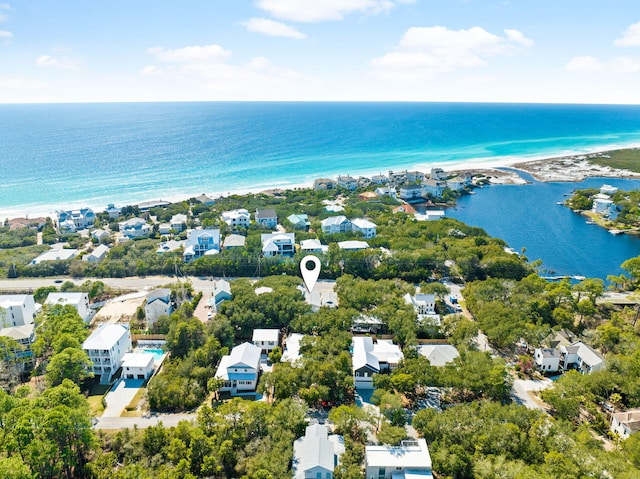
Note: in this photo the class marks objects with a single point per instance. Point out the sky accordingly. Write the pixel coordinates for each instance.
(552, 51)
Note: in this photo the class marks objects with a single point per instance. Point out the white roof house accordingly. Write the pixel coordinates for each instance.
(234, 241)
(282, 244)
(169, 246)
(238, 217)
(430, 215)
(239, 370)
(291, 353)
(424, 305)
(158, 303)
(137, 365)
(100, 234)
(410, 460)
(266, 339)
(201, 242)
(106, 347)
(105, 337)
(60, 254)
(438, 354)
(370, 358)
(336, 224)
(581, 357)
(178, 222)
(353, 245)
(313, 246)
(80, 301)
(364, 226)
(317, 453)
(98, 253)
(625, 423)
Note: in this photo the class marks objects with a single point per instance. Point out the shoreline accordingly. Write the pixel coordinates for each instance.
(571, 167)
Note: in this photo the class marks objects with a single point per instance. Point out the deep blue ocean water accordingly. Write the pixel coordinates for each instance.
(63, 155)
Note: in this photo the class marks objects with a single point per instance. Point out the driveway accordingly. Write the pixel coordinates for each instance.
(167, 420)
(121, 394)
(522, 387)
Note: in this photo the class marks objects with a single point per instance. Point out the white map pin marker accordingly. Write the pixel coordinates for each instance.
(310, 276)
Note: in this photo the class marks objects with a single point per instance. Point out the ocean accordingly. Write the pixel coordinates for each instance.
(68, 155)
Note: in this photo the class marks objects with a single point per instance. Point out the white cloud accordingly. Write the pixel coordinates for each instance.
(516, 36)
(273, 28)
(424, 51)
(151, 70)
(190, 54)
(6, 36)
(322, 10)
(588, 64)
(65, 63)
(630, 37)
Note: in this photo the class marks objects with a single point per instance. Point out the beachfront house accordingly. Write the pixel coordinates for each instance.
(299, 221)
(17, 309)
(387, 191)
(322, 184)
(106, 347)
(411, 192)
(234, 241)
(55, 254)
(278, 244)
(371, 358)
(134, 228)
(625, 423)
(201, 242)
(137, 365)
(239, 218)
(79, 302)
(317, 453)
(409, 460)
(266, 339)
(239, 370)
(113, 211)
(266, 218)
(336, 224)
(158, 303)
(313, 246)
(365, 227)
(71, 221)
(169, 246)
(205, 200)
(438, 174)
(347, 182)
(430, 215)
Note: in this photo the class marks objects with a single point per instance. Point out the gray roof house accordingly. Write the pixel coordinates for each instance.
(266, 218)
(317, 453)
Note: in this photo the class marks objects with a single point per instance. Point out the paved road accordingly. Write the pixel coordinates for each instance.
(120, 396)
(521, 388)
(168, 420)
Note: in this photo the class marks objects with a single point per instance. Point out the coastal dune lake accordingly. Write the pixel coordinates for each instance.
(527, 216)
(69, 155)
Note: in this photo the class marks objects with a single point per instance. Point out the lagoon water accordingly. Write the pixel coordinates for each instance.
(68, 155)
(527, 216)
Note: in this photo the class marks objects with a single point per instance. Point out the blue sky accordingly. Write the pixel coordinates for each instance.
(573, 51)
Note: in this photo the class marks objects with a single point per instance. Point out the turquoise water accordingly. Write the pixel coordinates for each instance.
(66, 155)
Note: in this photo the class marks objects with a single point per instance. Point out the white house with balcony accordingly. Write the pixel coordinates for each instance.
(578, 356)
(200, 243)
(266, 218)
(178, 222)
(79, 301)
(113, 211)
(239, 218)
(24, 335)
(409, 460)
(424, 305)
(74, 220)
(106, 347)
(336, 224)
(134, 228)
(278, 244)
(364, 227)
(433, 187)
(240, 369)
(411, 192)
(317, 453)
(16, 310)
(347, 182)
(625, 423)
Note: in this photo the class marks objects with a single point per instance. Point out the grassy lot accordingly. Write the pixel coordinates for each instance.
(21, 255)
(132, 409)
(96, 393)
(627, 159)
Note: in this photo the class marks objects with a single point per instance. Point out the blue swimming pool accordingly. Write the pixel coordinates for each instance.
(157, 353)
